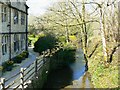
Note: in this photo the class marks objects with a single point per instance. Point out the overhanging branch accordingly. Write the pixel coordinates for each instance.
(93, 50)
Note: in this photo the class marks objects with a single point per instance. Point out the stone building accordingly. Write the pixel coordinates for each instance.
(13, 28)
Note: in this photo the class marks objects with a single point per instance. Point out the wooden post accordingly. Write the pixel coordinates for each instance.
(36, 67)
(22, 78)
(2, 83)
(44, 58)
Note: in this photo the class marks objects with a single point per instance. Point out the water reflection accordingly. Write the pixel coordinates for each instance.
(78, 67)
(85, 81)
(61, 78)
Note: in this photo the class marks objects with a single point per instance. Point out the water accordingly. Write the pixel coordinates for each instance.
(78, 67)
(71, 76)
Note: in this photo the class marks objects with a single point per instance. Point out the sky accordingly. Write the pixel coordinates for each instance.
(38, 7)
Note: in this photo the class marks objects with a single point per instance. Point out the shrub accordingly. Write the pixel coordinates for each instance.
(7, 66)
(18, 59)
(25, 54)
(1, 68)
(44, 43)
(22, 56)
(7, 63)
(10, 63)
(65, 56)
(62, 39)
(41, 35)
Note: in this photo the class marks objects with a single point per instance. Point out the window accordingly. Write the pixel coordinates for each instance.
(4, 44)
(22, 41)
(22, 19)
(4, 14)
(16, 43)
(16, 17)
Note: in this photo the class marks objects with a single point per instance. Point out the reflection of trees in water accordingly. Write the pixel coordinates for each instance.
(86, 81)
(59, 78)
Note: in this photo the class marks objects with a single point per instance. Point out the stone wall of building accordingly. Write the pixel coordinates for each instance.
(17, 29)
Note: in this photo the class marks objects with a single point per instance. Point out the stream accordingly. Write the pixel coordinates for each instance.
(71, 76)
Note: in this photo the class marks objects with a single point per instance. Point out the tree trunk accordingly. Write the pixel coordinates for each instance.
(103, 35)
(66, 28)
(67, 35)
(118, 35)
(84, 32)
(84, 27)
(86, 62)
(113, 51)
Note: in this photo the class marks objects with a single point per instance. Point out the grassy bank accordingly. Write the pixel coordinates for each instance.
(102, 76)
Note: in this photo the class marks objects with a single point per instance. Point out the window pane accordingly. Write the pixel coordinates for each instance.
(22, 18)
(5, 48)
(4, 14)
(2, 49)
(16, 17)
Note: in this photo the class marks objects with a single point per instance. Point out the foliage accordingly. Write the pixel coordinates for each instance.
(41, 35)
(32, 29)
(44, 43)
(98, 25)
(7, 65)
(25, 54)
(20, 57)
(65, 56)
(32, 39)
(62, 39)
(72, 38)
(1, 68)
(102, 76)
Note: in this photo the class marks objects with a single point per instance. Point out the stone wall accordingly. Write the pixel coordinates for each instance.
(41, 78)
(18, 29)
(49, 65)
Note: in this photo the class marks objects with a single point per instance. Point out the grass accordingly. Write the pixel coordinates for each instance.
(103, 77)
(33, 39)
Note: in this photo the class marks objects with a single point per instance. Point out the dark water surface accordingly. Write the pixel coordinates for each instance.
(65, 77)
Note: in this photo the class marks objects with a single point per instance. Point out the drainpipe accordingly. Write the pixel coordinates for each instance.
(26, 27)
(9, 25)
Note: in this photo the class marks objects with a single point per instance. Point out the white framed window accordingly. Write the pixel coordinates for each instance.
(16, 43)
(4, 44)
(22, 18)
(4, 13)
(22, 41)
(16, 17)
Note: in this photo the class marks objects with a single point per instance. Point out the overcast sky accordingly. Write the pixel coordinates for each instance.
(38, 7)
